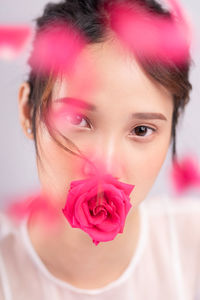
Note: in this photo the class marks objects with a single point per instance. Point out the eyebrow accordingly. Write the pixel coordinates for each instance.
(149, 116)
(86, 105)
(77, 103)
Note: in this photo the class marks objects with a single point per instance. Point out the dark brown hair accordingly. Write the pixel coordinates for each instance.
(88, 16)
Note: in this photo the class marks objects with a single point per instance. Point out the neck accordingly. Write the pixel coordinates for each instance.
(70, 255)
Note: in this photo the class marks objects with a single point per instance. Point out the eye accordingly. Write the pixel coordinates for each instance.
(78, 120)
(142, 130)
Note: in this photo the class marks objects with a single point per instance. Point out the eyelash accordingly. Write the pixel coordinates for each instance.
(144, 126)
(89, 126)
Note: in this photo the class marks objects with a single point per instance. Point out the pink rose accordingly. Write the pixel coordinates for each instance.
(98, 207)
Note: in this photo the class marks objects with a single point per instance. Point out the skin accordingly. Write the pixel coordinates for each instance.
(121, 89)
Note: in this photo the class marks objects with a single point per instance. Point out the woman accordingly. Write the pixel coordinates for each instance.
(126, 119)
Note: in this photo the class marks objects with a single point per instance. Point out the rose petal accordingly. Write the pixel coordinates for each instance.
(110, 224)
(93, 220)
(99, 235)
(127, 188)
(83, 184)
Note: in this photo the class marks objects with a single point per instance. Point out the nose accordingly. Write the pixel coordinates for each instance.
(105, 157)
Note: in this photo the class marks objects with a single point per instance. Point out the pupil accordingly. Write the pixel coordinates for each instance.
(141, 130)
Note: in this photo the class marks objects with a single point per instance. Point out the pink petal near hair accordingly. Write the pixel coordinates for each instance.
(151, 36)
(56, 49)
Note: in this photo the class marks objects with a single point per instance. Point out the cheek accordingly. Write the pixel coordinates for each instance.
(145, 166)
(58, 168)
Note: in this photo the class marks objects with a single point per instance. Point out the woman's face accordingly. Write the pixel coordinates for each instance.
(124, 121)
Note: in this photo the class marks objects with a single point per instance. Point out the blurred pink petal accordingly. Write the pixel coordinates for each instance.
(13, 40)
(151, 36)
(62, 115)
(56, 49)
(177, 10)
(185, 174)
(183, 19)
(37, 204)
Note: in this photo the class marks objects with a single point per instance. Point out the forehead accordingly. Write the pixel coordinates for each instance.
(111, 74)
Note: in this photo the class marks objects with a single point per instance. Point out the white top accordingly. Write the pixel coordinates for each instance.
(165, 266)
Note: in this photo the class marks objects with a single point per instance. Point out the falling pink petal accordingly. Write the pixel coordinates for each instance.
(149, 35)
(37, 204)
(185, 174)
(56, 49)
(177, 10)
(62, 115)
(183, 19)
(13, 40)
